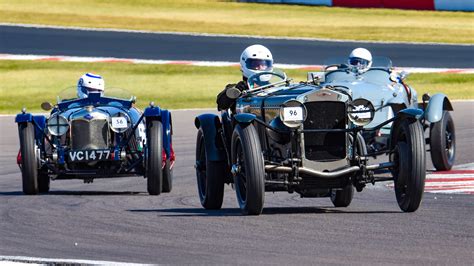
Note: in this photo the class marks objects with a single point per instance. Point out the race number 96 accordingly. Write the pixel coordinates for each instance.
(293, 113)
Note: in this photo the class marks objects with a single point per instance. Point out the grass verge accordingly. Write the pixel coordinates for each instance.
(214, 16)
(29, 83)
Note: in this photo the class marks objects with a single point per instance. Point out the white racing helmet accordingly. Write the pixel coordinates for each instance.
(89, 83)
(360, 60)
(255, 59)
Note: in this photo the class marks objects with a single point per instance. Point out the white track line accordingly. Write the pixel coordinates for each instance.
(29, 260)
(203, 63)
(42, 26)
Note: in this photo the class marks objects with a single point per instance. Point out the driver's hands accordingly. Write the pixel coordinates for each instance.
(223, 101)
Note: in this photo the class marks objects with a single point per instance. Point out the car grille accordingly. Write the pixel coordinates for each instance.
(92, 134)
(325, 146)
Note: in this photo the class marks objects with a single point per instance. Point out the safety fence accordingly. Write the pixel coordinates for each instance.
(451, 5)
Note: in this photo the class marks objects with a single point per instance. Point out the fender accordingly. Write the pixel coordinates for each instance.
(152, 111)
(436, 105)
(244, 119)
(38, 120)
(167, 131)
(210, 124)
(413, 114)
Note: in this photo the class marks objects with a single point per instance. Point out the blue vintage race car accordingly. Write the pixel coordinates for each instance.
(95, 137)
(388, 91)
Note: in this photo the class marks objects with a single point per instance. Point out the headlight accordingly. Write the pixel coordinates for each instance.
(361, 112)
(120, 122)
(58, 125)
(293, 113)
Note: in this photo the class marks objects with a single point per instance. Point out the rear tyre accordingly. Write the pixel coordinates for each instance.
(167, 177)
(343, 197)
(249, 170)
(154, 173)
(29, 165)
(210, 177)
(410, 170)
(443, 143)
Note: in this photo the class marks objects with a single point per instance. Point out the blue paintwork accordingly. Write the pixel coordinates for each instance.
(436, 105)
(166, 122)
(210, 123)
(20, 118)
(94, 99)
(152, 111)
(244, 119)
(412, 112)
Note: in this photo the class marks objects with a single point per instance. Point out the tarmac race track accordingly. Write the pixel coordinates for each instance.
(116, 220)
(67, 42)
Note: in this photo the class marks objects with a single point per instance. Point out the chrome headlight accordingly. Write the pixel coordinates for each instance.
(58, 125)
(120, 122)
(293, 113)
(361, 112)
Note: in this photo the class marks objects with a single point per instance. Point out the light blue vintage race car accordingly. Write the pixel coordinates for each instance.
(389, 93)
(95, 137)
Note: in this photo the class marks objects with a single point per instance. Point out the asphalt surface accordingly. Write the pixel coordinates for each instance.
(44, 41)
(115, 219)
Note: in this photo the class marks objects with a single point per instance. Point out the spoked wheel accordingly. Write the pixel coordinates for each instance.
(154, 173)
(29, 164)
(410, 165)
(210, 177)
(167, 177)
(248, 169)
(443, 143)
(343, 197)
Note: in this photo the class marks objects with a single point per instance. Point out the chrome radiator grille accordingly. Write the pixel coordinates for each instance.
(93, 134)
(325, 146)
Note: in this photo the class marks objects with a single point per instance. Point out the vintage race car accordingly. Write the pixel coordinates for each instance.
(303, 138)
(95, 137)
(388, 91)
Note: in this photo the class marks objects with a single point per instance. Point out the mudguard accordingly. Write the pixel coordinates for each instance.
(210, 124)
(411, 112)
(38, 120)
(167, 127)
(436, 105)
(152, 111)
(244, 119)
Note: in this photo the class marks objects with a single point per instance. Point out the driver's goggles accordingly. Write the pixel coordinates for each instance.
(358, 62)
(258, 64)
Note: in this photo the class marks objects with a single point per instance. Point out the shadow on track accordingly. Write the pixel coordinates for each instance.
(76, 193)
(187, 212)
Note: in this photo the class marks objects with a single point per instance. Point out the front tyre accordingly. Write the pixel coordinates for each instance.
(154, 173)
(210, 177)
(443, 143)
(248, 169)
(410, 165)
(29, 165)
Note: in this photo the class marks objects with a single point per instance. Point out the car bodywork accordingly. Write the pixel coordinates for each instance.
(94, 137)
(389, 92)
(257, 148)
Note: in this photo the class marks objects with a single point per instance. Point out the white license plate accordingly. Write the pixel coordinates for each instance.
(89, 155)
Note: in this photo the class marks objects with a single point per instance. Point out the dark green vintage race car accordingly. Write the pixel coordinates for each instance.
(304, 138)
